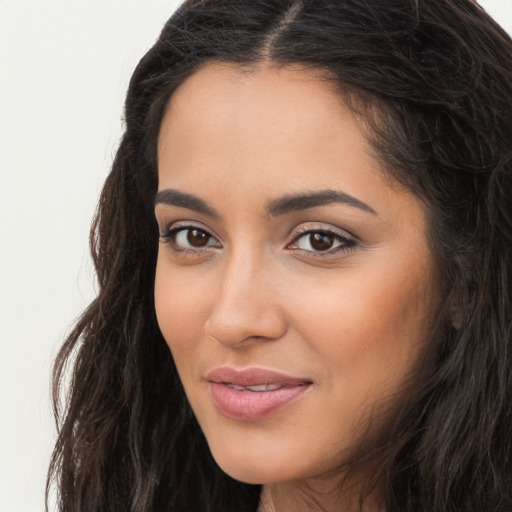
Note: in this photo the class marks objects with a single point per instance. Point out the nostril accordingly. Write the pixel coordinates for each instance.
(236, 334)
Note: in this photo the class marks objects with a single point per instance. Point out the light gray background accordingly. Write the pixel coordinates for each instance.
(64, 68)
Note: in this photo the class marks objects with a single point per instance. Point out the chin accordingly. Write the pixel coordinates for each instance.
(248, 475)
(256, 466)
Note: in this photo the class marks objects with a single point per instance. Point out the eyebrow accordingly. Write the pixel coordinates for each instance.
(276, 207)
(174, 197)
(303, 201)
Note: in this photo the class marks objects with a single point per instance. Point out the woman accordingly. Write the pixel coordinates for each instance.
(304, 262)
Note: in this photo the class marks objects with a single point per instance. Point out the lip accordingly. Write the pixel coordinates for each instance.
(247, 404)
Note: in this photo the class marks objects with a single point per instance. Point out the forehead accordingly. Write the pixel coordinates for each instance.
(267, 116)
(247, 136)
(219, 90)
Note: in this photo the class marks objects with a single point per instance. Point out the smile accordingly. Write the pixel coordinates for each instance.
(253, 393)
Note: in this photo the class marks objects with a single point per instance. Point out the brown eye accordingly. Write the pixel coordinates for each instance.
(189, 239)
(197, 237)
(321, 241)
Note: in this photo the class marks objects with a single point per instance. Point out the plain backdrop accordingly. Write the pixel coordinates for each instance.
(64, 69)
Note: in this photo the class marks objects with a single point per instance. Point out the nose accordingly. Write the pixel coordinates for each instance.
(246, 307)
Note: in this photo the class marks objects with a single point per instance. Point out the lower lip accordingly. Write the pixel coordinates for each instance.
(253, 405)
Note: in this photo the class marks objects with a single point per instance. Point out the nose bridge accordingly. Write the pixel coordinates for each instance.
(244, 306)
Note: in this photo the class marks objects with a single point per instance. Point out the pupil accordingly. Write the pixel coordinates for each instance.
(321, 241)
(197, 237)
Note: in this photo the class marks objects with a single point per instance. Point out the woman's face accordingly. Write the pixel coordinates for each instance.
(294, 282)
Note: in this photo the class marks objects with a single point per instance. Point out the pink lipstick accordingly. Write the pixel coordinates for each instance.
(253, 393)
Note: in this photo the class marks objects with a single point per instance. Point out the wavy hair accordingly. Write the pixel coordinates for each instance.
(433, 82)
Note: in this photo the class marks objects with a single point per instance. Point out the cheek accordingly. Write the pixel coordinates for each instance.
(182, 306)
(368, 327)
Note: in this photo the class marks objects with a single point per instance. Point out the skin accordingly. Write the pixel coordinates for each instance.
(351, 319)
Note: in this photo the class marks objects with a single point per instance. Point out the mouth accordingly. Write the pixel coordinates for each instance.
(253, 393)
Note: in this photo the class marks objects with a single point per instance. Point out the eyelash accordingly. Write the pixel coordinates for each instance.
(169, 238)
(345, 243)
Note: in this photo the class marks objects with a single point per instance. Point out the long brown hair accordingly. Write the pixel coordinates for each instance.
(439, 74)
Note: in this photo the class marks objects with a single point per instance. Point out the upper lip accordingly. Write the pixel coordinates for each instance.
(254, 377)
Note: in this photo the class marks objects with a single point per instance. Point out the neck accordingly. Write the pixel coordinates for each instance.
(293, 497)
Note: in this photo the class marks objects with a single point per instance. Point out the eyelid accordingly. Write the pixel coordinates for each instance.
(304, 229)
(324, 228)
(184, 224)
(173, 228)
